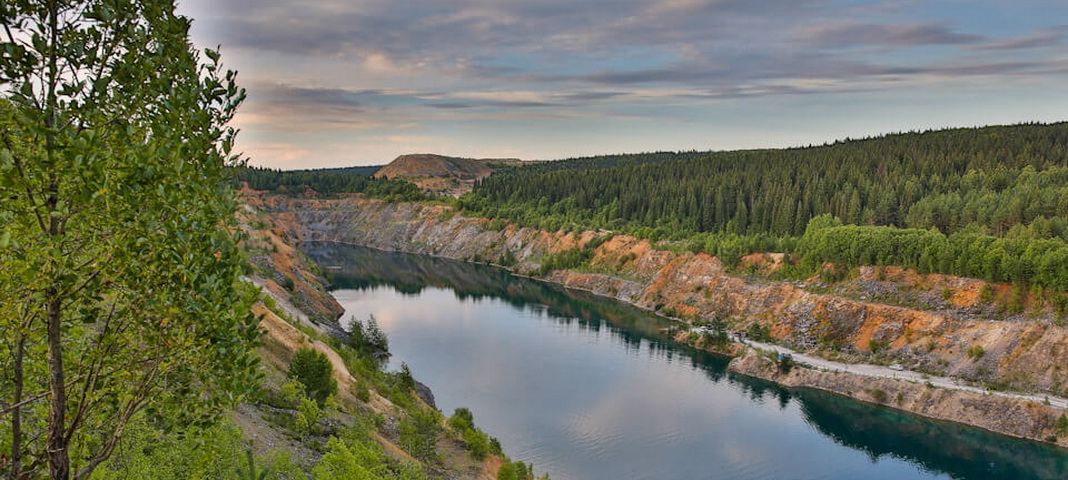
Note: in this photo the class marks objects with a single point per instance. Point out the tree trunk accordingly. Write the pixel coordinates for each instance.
(58, 456)
(16, 413)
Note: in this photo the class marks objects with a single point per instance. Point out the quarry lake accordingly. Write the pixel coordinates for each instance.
(588, 388)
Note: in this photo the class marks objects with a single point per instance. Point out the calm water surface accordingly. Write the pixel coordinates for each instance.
(587, 389)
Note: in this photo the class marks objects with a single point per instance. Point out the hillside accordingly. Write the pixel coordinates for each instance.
(988, 202)
(440, 174)
(947, 179)
(945, 326)
(378, 424)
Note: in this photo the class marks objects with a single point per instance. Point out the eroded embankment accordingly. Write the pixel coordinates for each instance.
(950, 338)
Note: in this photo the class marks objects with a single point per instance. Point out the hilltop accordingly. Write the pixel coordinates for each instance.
(442, 174)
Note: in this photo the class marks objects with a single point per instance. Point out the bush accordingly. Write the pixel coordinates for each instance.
(368, 339)
(976, 351)
(418, 434)
(879, 395)
(462, 419)
(477, 443)
(313, 370)
(516, 471)
(758, 332)
(1061, 426)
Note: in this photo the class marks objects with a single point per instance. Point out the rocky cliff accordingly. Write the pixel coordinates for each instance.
(938, 325)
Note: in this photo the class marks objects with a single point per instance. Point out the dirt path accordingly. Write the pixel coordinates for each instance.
(869, 370)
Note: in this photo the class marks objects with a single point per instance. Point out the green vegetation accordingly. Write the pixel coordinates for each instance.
(988, 202)
(313, 370)
(943, 179)
(517, 471)
(479, 445)
(361, 461)
(419, 433)
(759, 332)
(571, 258)
(368, 339)
(218, 452)
(326, 182)
(1061, 425)
(120, 290)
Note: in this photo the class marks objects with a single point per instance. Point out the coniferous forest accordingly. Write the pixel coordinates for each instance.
(331, 181)
(986, 202)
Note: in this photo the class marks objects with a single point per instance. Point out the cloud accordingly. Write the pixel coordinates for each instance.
(848, 35)
(1047, 38)
(363, 68)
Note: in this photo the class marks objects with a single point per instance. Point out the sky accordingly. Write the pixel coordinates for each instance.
(359, 82)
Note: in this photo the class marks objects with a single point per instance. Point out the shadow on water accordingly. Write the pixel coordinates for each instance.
(958, 451)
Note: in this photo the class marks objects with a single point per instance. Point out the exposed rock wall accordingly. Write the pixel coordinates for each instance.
(1020, 353)
(1015, 417)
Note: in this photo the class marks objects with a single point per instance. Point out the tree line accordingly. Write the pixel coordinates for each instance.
(987, 202)
(996, 177)
(326, 182)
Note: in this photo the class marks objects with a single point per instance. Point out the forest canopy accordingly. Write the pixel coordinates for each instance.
(326, 182)
(988, 202)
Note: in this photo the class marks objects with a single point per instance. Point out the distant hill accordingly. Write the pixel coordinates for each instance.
(441, 174)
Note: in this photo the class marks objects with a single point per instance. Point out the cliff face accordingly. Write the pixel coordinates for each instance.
(948, 332)
(299, 312)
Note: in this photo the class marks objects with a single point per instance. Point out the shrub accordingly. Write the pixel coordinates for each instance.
(368, 339)
(758, 332)
(462, 419)
(477, 443)
(418, 434)
(986, 293)
(976, 351)
(313, 370)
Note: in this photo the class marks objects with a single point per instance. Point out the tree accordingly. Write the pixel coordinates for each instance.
(368, 339)
(418, 433)
(313, 370)
(121, 291)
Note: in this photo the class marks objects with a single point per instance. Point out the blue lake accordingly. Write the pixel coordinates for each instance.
(587, 388)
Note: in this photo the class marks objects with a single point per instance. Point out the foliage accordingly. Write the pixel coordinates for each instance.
(405, 381)
(419, 432)
(1020, 260)
(989, 202)
(759, 332)
(367, 338)
(313, 370)
(462, 419)
(308, 416)
(944, 179)
(326, 182)
(571, 258)
(976, 352)
(361, 461)
(120, 289)
(477, 443)
(218, 452)
(249, 470)
(517, 471)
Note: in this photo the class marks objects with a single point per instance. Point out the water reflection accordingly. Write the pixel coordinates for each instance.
(588, 388)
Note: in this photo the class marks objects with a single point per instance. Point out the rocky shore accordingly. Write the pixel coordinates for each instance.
(929, 323)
